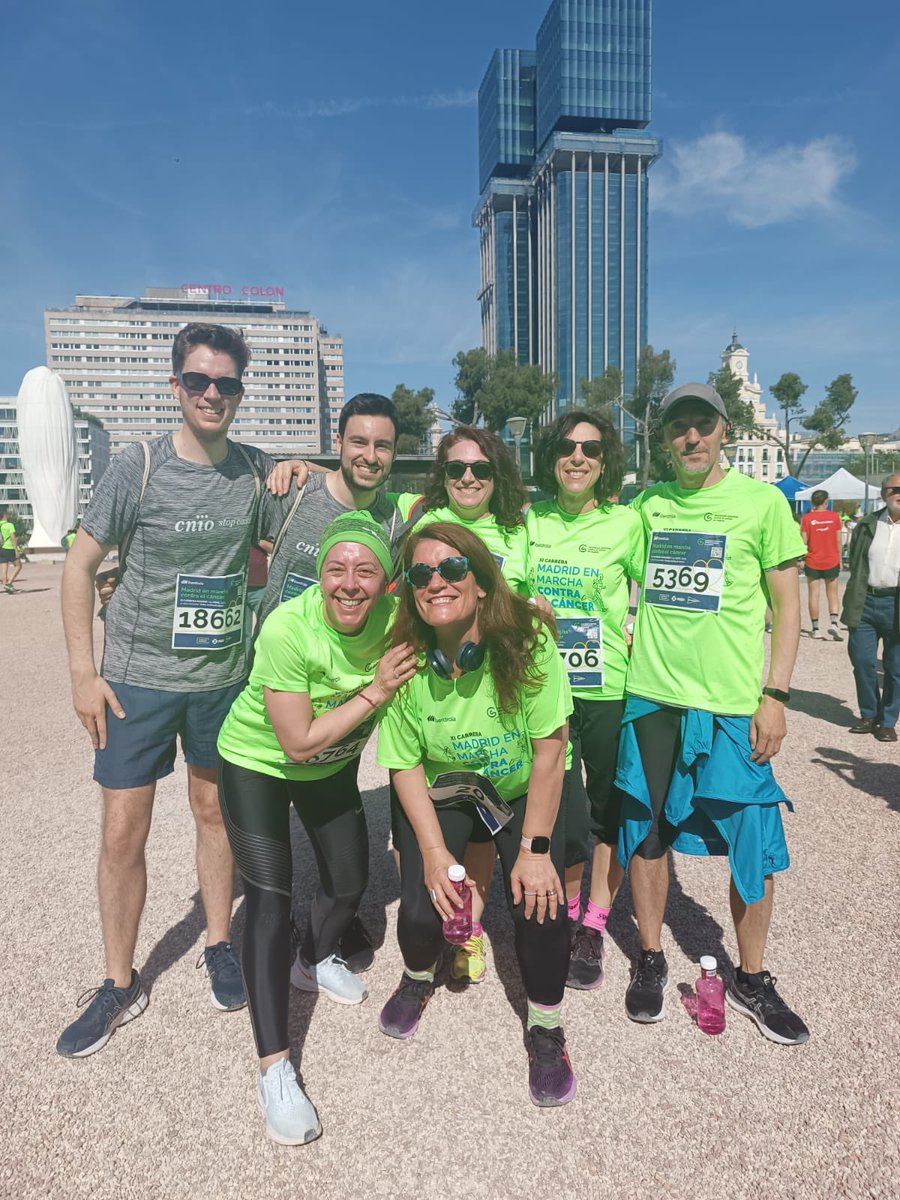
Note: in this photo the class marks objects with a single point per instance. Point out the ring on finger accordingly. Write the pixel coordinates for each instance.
(433, 894)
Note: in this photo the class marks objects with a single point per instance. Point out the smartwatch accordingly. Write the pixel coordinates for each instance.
(777, 694)
(537, 845)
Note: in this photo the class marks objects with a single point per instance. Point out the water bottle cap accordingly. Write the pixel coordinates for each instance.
(456, 873)
(708, 963)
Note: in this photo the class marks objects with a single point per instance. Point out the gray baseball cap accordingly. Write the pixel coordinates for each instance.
(693, 391)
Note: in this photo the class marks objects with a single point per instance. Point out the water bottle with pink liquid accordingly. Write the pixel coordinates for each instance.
(458, 928)
(710, 997)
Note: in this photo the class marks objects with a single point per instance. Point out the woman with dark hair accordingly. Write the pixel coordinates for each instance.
(583, 551)
(489, 711)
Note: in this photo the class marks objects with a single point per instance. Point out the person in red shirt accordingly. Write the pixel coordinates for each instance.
(821, 530)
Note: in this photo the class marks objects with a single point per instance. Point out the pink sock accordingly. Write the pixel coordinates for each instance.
(596, 917)
(574, 907)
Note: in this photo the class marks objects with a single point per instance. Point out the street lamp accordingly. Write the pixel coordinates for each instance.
(867, 441)
(729, 449)
(516, 426)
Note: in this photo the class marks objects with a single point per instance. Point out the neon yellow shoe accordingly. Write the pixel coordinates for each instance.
(469, 961)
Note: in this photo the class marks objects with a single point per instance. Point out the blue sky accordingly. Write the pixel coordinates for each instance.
(331, 150)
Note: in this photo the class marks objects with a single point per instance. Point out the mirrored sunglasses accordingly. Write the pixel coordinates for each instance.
(196, 381)
(592, 448)
(454, 570)
(480, 470)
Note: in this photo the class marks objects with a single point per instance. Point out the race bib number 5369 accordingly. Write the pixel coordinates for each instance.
(209, 612)
(686, 570)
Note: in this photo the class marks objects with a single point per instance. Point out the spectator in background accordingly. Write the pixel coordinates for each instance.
(821, 530)
(9, 550)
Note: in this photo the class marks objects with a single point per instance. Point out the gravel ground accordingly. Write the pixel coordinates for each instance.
(167, 1109)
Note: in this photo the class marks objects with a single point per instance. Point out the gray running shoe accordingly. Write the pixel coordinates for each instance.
(644, 997)
(226, 983)
(835, 633)
(291, 1118)
(109, 1008)
(331, 977)
(586, 959)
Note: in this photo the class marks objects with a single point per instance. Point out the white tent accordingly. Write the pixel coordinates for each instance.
(47, 446)
(839, 486)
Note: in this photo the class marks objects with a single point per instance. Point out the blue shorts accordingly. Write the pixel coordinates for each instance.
(141, 747)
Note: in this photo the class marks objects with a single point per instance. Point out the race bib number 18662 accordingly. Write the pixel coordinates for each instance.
(685, 570)
(209, 612)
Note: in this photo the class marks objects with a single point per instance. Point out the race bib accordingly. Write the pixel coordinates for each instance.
(209, 612)
(686, 571)
(581, 648)
(350, 746)
(293, 586)
(499, 559)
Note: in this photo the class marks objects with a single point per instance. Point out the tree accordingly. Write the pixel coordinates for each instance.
(741, 413)
(414, 417)
(604, 392)
(495, 389)
(824, 425)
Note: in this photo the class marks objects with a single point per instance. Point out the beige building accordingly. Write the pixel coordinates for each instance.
(114, 353)
(755, 455)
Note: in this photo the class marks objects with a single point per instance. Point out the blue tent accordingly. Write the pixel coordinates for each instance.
(790, 487)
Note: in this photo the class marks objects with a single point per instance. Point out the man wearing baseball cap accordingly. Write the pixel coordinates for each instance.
(699, 730)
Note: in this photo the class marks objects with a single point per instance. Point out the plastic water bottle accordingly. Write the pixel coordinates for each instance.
(458, 928)
(710, 997)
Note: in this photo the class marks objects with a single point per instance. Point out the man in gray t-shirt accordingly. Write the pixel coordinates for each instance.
(183, 512)
(366, 448)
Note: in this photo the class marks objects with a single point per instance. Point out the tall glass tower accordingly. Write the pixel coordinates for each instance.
(563, 207)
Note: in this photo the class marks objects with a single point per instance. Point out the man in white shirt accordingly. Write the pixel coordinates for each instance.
(872, 614)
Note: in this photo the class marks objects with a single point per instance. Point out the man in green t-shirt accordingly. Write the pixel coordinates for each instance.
(9, 550)
(697, 736)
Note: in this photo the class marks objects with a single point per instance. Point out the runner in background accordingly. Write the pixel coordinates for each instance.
(584, 551)
(697, 735)
(822, 531)
(9, 550)
(321, 676)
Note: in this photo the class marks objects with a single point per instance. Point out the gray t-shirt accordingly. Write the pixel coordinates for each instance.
(176, 619)
(293, 567)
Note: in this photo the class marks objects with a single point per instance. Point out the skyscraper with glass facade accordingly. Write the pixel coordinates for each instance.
(563, 209)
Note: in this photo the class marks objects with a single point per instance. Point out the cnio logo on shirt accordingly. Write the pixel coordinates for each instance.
(200, 524)
(719, 518)
(307, 548)
(584, 548)
(234, 522)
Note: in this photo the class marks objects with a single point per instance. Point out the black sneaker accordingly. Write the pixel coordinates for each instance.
(355, 947)
(644, 997)
(109, 1008)
(226, 983)
(550, 1078)
(756, 998)
(401, 1015)
(586, 959)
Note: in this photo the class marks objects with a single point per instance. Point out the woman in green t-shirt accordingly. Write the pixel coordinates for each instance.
(294, 735)
(584, 550)
(492, 703)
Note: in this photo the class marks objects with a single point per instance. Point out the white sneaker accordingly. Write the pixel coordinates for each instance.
(818, 633)
(332, 977)
(835, 633)
(291, 1118)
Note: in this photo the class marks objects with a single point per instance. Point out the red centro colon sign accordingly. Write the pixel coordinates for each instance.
(223, 289)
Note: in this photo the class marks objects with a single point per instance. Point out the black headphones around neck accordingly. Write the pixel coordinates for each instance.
(469, 657)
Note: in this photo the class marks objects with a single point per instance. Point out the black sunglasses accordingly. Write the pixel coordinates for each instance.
(454, 570)
(892, 491)
(480, 470)
(196, 381)
(592, 448)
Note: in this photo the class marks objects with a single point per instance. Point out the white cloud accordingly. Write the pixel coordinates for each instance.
(751, 186)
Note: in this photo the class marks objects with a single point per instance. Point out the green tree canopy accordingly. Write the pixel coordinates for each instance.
(414, 417)
(498, 388)
(601, 393)
(741, 413)
(824, 426)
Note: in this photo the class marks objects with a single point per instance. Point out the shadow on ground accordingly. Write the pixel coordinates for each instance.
(878, 779)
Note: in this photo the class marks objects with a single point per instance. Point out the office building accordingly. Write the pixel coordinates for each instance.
(92, 451)
(114, 353)
(563, 209)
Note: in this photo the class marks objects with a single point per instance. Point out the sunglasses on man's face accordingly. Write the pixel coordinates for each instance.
(480, 470)
(196, 381)
(892, 491)
(592, 448)
(454, 570)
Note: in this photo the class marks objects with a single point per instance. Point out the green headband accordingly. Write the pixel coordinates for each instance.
(357, 527)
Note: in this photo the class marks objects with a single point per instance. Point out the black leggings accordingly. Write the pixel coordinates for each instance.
(542, 950)
(659, 741)
(593, 809)
(256, 810)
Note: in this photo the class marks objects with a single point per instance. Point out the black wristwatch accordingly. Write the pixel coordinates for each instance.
(777, 694)
(536, 845)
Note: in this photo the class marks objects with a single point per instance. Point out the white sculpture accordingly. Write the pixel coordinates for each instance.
(47, 447)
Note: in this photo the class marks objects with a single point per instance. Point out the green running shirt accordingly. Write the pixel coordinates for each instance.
(582, 565)
(453, 724)
(298, 651)
(698, 641)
